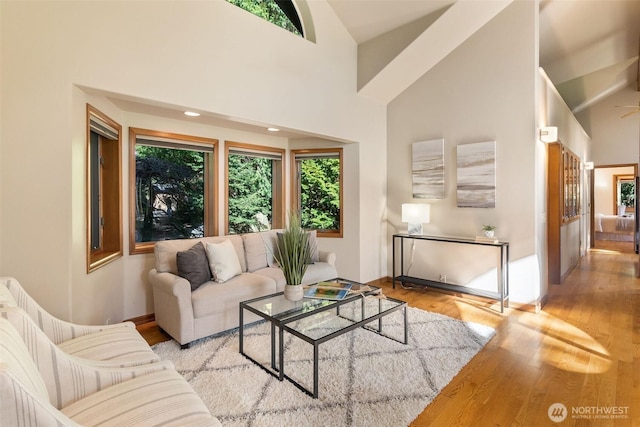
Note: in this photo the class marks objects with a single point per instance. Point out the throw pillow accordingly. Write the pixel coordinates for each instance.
(311, 242)
(313, 246)
(255, 251)
(223, 260)
(194, 266)
(270, 239)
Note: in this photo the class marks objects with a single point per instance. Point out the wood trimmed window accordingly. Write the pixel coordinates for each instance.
(254, 187)
(624, 190)
(104, 190)
(172, 189)
(317, 189)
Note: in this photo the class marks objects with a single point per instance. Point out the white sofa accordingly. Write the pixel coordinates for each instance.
(187, 315)
(41, 385)
(115, 345)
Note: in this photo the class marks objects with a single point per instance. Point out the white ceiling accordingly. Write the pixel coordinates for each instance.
(589, 48)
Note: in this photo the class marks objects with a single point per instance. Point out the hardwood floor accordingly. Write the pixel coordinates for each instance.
(582, 350)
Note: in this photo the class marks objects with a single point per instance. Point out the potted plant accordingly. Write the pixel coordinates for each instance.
(489, 230)
(292, 255)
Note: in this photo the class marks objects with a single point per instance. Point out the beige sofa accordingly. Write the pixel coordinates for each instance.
(187, 315)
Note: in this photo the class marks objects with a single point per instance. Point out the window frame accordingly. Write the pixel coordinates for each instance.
(296, 184)
(278, 182)
(110, 192)
(288, 10)
(210, 184)
(618, 180)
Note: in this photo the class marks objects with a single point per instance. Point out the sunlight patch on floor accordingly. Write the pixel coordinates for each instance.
(550, 340)
(605, 251)
(566, 346)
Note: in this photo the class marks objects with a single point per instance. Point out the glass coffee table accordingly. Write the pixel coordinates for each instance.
(316, 321)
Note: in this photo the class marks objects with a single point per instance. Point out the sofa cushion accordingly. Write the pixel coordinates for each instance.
(315, 273)
(6, 298)
(274, 273)
(193, 265)
(165, 251)
(270, 239)
(313, 245)
(16, 364)
(212, 298)
(319, 271)
(255, 251)
(117, 347)
(161, 398)
(223, 260)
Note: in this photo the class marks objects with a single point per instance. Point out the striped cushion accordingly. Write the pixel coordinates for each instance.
(146, 399)
(116, 347)
(69, 378)
(6, 299)
(158, 399)
(23, 395)
(15, 357)
(57, 330)
(119, 344)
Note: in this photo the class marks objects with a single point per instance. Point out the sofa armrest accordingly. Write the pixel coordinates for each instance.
(56, 329)
(328, 257)
(68, 378)
(172, 305)
(170, 284)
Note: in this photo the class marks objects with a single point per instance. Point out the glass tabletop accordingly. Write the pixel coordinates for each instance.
(326, 323)
(278, 307)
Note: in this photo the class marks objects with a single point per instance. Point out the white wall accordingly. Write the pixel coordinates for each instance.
(553, 111)
(615, 141)
(209, 56)
(485, 90)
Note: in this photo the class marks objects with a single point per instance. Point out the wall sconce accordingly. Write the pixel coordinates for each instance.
(416, 214)
(549, 134)
(589, 166)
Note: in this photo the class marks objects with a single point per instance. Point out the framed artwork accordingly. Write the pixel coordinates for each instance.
(427, 169)
(476, 187)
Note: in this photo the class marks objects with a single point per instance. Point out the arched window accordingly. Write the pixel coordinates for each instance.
(282, 13)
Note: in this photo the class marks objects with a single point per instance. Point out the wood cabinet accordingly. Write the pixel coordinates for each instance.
(563, 203)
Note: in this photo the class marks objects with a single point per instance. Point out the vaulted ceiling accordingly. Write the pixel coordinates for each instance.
(588, 48)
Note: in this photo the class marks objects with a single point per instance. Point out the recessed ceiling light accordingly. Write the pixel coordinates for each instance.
(273, 129)
(191, 114)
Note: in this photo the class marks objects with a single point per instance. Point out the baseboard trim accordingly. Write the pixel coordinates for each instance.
(379, 281)
(141, 320)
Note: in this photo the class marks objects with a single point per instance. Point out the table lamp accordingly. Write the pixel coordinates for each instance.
(415, 214)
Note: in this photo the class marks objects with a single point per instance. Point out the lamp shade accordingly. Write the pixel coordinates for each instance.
(416, 213)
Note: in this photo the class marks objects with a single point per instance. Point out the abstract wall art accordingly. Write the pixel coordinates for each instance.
(476, 187)
(427, 171)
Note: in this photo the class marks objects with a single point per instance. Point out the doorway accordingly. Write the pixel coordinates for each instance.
(614, 213)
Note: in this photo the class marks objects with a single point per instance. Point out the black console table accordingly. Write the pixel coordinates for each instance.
(503, 268)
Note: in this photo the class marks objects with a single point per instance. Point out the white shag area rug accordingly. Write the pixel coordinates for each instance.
(364, 379)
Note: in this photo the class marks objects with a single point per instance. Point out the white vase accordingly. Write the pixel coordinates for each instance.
(293, 292)
(489, 233)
